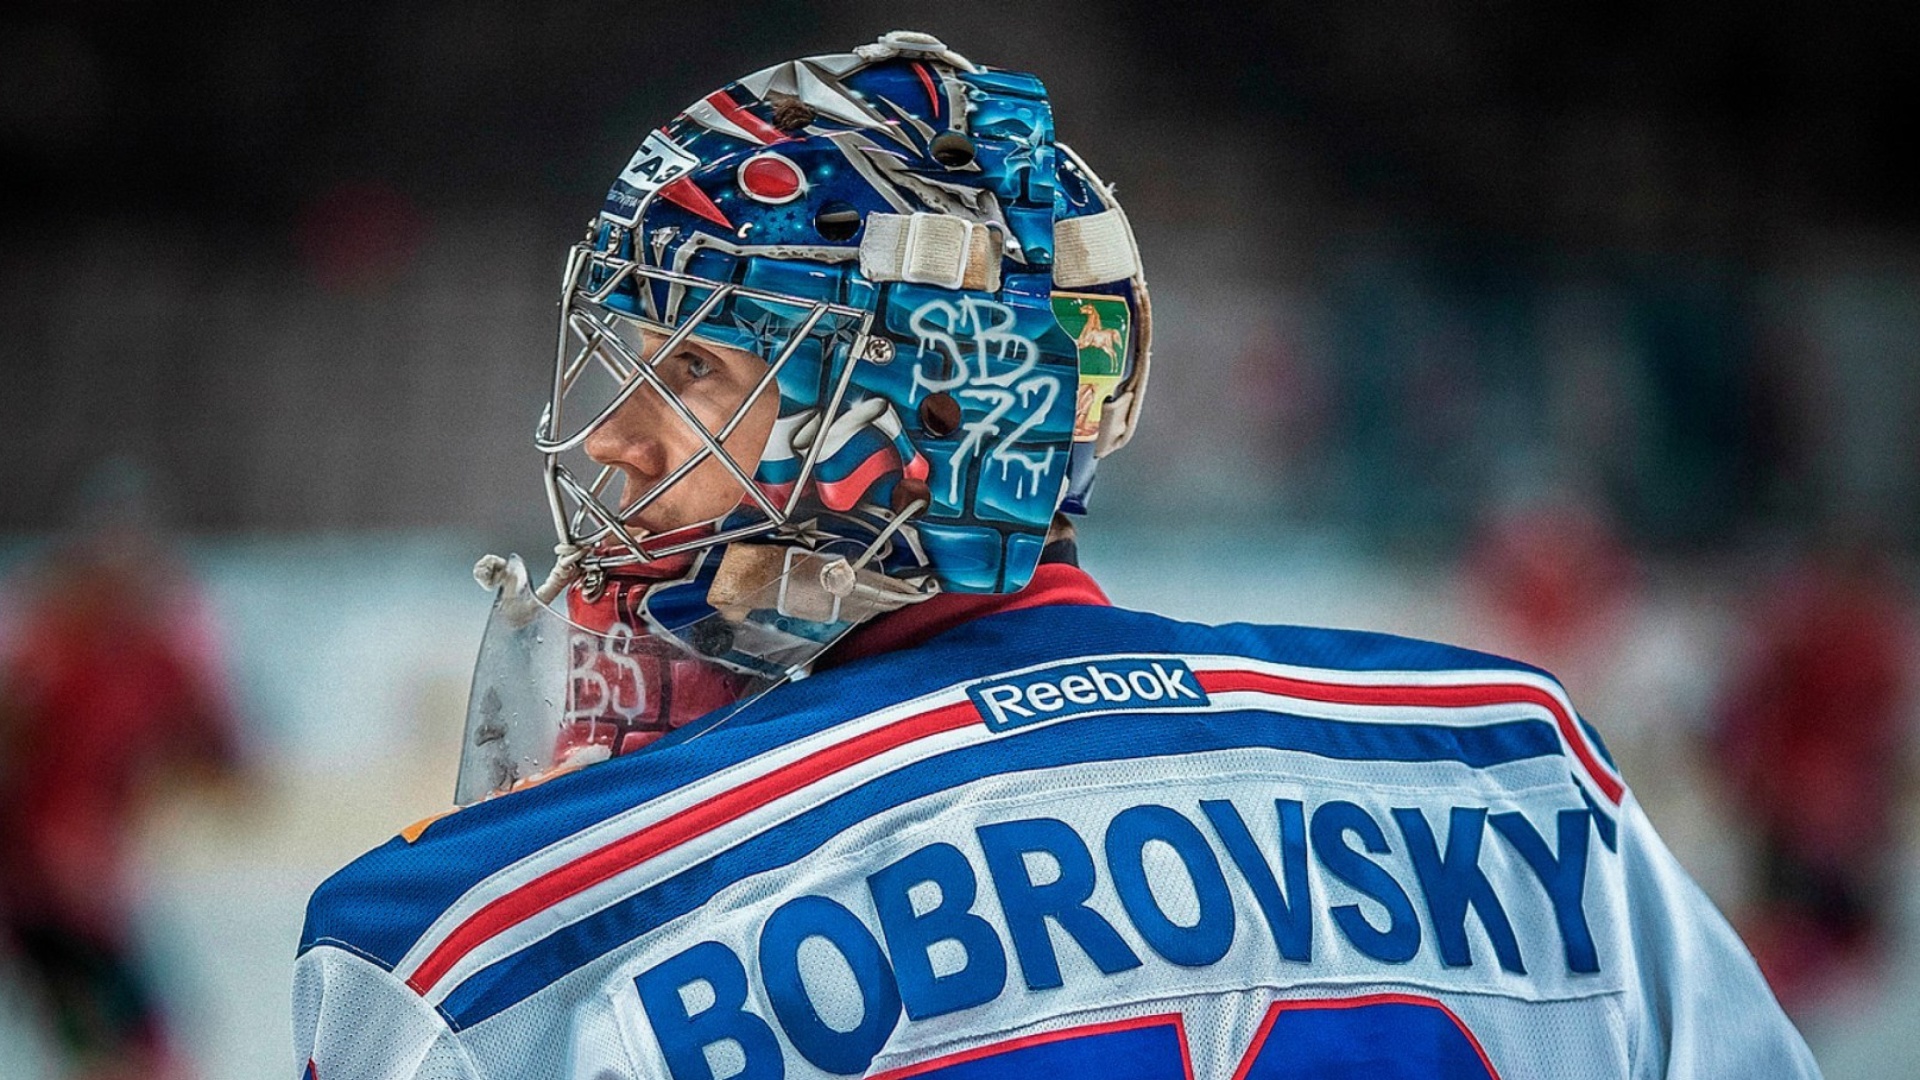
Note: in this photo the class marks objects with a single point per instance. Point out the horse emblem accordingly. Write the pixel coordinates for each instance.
(1098, 325)
(1106, 339)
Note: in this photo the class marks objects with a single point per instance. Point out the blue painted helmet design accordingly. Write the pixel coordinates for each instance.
(948, 300)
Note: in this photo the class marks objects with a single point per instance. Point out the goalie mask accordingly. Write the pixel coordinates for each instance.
(846, 334)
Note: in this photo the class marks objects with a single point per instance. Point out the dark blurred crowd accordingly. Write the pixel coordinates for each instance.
(1435, 252)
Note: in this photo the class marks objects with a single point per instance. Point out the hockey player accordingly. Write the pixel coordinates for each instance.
(817, 755)
(110, 684)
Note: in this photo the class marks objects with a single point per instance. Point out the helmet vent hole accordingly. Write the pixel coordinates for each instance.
(837, 221)
(952, 149)
(940, 415)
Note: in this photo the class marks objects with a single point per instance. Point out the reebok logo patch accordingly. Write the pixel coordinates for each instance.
(1084, 687)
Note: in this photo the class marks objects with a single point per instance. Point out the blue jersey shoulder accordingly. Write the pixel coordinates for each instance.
(1085, 630)
(380, 904)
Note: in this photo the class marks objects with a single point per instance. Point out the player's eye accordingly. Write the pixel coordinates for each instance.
(689, 366)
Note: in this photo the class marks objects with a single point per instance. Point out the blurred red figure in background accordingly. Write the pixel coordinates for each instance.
(1554, 579)
(107, 677)
(1809, 735)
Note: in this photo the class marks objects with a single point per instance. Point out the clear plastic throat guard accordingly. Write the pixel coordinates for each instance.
(550, 695)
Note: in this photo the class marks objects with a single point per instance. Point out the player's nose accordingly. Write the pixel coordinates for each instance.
(637, 438)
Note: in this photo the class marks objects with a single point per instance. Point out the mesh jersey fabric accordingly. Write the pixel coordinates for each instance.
(1065, 838)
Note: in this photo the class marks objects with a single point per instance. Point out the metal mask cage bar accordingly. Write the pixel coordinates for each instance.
(580, 517)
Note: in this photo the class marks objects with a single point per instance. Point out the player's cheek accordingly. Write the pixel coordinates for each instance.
(749, 439)
(716, 398)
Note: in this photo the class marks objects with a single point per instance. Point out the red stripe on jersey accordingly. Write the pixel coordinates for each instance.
(511, 908)
(569, 879)
(1174, 1020)
(1455, 697)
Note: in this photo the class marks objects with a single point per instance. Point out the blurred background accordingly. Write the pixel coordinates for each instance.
(1587, 336)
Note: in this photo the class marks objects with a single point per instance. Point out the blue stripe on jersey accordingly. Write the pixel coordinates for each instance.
(381, 903)
(1074, 742)
(1599, 746)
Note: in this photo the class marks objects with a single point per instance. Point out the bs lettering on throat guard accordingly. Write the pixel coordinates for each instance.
(1081, 688)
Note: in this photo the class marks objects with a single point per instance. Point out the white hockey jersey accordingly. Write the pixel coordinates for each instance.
(1069, 840)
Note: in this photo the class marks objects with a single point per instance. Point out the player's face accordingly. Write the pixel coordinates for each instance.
(647, 440)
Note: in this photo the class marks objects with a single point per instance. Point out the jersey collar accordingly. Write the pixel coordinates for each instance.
(1052, 583)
